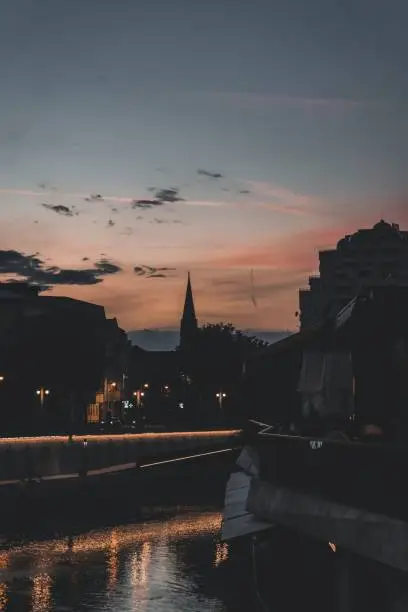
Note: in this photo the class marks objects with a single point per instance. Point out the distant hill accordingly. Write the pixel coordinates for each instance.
(168, 339)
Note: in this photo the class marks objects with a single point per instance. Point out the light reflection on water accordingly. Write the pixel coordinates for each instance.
(3, 596)
(42, 593)
(157, 565)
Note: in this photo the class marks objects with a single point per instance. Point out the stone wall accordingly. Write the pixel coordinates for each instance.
(58, 456)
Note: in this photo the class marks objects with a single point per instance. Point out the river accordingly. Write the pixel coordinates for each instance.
(158, 549)
(171, 559)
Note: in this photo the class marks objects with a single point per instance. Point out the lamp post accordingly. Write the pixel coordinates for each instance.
(1, 379)
(42, 393)
(221, 396)
(138, 395)
(124, 379)
(112, 387)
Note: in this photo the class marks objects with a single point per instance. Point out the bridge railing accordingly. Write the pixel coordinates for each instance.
(369, 476)
(36, 458)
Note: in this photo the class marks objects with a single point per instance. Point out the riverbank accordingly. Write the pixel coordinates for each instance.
(175, 479)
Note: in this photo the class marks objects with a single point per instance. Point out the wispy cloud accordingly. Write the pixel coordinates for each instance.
(94, 197)
(152, 272)
(127, 231)
(169, 195)
(298, 254)
(260, 194)
(281, 199)
(77, 196)
(211, 203)
(159, 221)
(145, 204)
(257, 100)
(60, 209)
(213, 175)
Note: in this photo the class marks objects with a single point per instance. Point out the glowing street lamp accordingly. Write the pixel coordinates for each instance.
(146, 385)
(1, 378)
(138, 395)
(42, 393)
(221, 396)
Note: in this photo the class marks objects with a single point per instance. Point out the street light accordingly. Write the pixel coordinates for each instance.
(1, 378)
(138, 395)
(221, 396)
(146, 385)
(42, 393)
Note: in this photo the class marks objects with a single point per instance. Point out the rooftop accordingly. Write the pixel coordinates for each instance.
(381, 231)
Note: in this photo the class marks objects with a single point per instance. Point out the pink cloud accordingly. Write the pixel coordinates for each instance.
(222, 284)
(299, 252)
(221, 280)
(281, 199)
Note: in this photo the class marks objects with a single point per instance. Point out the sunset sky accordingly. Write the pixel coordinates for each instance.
(215, 137)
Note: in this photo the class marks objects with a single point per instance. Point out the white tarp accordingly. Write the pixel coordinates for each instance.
(326, 383)
(338, 384)
(237, 521)
(311, 382)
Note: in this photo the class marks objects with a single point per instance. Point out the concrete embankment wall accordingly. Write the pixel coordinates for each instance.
(57, 456)
(378, 537)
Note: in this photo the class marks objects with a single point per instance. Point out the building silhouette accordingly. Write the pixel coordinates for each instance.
(156, 373)
(48, 342)
(188, 323)
(57, 344)
(368, 258)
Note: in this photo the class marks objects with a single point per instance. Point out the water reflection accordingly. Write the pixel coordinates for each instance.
(221, 553)
(41, 593)
(3, 559)
(112, 560)
(139, 565)
(146, 566)
(3, 596)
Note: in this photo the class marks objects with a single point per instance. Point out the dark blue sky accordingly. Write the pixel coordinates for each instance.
(301, 103)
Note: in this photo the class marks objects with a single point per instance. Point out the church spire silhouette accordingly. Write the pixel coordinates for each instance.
(188, 324)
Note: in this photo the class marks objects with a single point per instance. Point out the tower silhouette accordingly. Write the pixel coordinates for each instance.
(188, 323)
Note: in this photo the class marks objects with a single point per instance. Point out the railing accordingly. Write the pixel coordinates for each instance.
(368, 476)
(25, 459)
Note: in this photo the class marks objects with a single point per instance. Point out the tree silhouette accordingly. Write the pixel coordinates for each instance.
(214, 360)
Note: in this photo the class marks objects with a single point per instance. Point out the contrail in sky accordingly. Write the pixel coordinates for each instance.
(253, 297)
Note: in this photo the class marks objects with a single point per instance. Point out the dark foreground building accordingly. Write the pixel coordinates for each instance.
(350, 367)
(52, 359)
